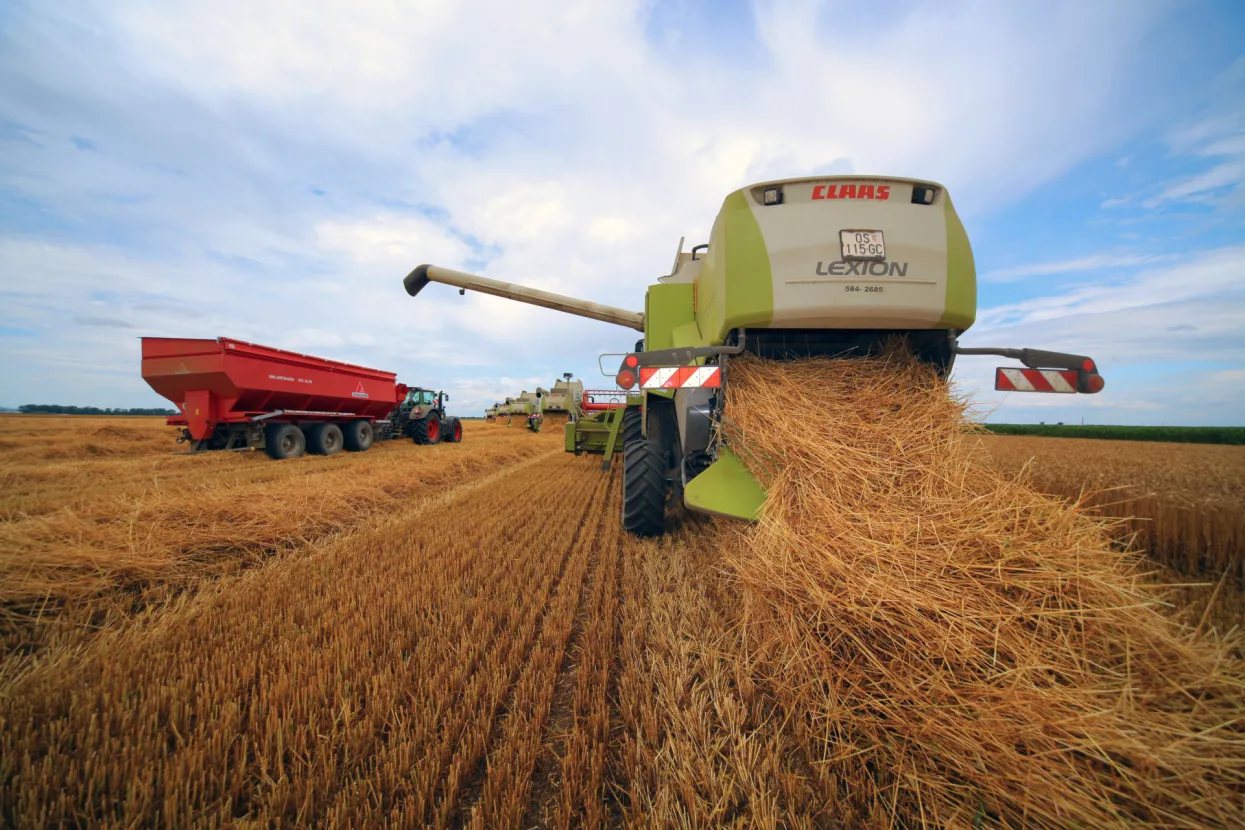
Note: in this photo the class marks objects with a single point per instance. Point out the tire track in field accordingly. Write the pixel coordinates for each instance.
(455, 744)
(565, 787)
(499, 791)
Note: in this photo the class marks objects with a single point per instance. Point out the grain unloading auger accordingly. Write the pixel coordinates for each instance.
(829, 266)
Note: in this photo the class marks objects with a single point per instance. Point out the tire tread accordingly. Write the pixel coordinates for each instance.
(644, 489)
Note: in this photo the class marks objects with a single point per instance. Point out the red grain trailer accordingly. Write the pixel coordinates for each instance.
(234, 395)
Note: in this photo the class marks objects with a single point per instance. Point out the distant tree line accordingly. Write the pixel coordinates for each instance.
(57, 409)
(1180, 435)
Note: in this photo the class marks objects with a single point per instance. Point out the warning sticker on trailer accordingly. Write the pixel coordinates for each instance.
(359, 393)
(680, 377)
(1035, 380)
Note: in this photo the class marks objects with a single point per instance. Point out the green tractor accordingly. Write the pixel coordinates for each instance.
(421, 417)
(831, 266)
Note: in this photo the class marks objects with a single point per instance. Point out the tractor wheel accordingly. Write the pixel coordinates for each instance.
(632, 426)
(283, 441)
(455, 432)
(644, 489)
(324, 439)
(427, 431)
(358, 436)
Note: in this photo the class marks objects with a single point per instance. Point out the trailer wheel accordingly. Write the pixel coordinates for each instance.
(632, 425)
(427, 431)
(644, 489)
(324, 439)
(283, 441)
(358, 436)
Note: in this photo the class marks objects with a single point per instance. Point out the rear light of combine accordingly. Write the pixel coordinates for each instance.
(626, 377)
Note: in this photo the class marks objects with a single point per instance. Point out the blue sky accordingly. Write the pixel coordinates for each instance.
(271, 170)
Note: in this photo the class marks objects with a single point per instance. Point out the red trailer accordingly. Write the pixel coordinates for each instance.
(234, 395)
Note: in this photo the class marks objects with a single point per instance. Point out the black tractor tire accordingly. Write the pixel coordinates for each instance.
(632, 426)
(324, 439)
(283, 441)
(427, 430)
(358, 436)
(454, 431)
(644, 489)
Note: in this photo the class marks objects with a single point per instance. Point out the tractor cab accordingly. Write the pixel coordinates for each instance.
(423, 398)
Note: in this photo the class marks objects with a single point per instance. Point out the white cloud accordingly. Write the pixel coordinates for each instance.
(1200, 187)
(1218, 137)
(556, 144)
(1215, 276)
(390, 242)
(1097, 262)
(1170, 321)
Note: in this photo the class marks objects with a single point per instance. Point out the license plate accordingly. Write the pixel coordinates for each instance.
(856, 244)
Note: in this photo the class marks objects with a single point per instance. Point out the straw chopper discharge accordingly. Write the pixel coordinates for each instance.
(827, 266)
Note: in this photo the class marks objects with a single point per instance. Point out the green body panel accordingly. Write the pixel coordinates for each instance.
(687, 334)
(736, 278)
(569, 435)
(666, 308)
(726, 488)
(961, 307)
(707, 289)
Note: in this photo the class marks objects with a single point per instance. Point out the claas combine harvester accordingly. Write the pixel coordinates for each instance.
(564, 397)
(529, 407)
(828, 266)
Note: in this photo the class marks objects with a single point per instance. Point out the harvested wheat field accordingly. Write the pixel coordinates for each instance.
(395, 638)
(1181, 504)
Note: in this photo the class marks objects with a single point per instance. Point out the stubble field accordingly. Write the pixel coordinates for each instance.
(450, 636)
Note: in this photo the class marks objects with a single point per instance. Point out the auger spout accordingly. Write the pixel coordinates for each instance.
(424, 274)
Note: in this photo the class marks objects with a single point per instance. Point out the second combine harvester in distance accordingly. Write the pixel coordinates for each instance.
(827, 266)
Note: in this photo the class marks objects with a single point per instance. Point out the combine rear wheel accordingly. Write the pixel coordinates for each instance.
(358, 436)
(632, 426)
(644, 489)
(427, 431)
(283, 441)
(324, 439)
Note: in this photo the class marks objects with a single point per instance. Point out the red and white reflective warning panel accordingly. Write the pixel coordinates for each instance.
(1036, 380)
(680, 377)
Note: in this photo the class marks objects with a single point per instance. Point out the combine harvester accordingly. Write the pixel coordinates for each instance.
(239, 396)
(561, 403)
(829, 266)
(530, 407)
(607, 420)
